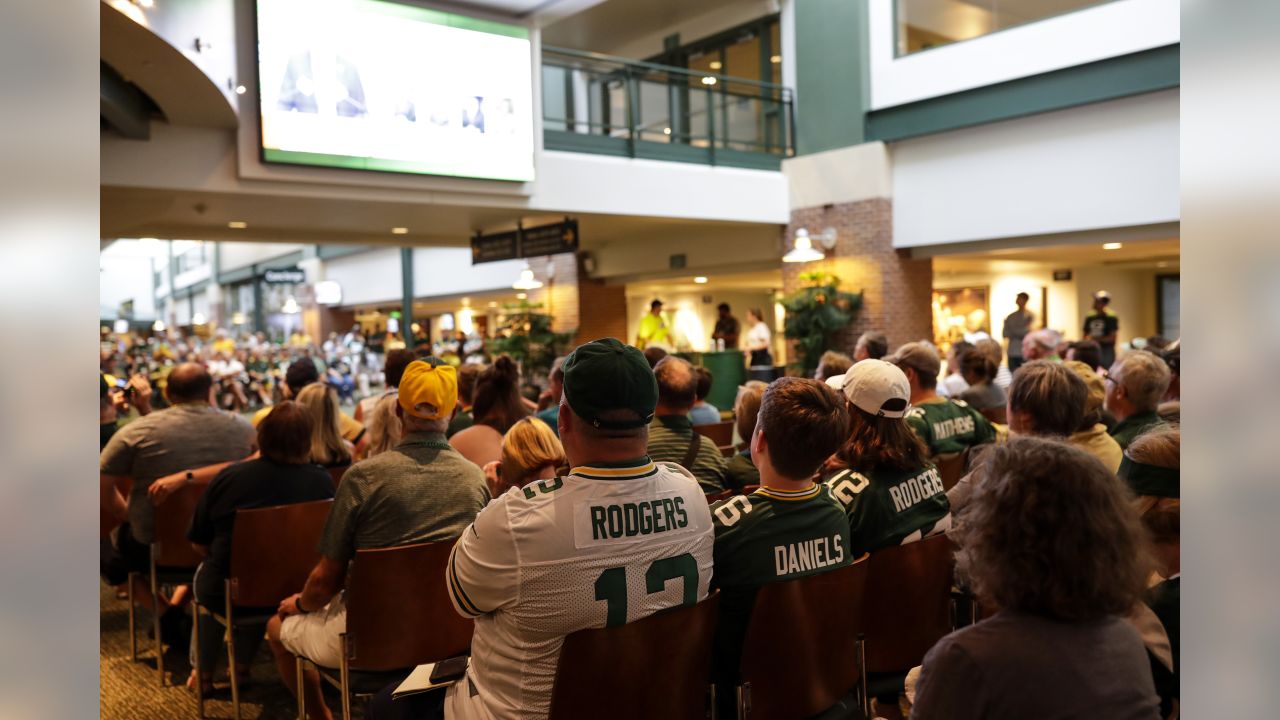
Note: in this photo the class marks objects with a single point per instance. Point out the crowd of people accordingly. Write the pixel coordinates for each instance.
(561, 503)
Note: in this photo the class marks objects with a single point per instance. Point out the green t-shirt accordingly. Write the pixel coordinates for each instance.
(887, 507)
(1128, 430)
(460, 422)
(949, 426)
(768, 536)
(742, 471)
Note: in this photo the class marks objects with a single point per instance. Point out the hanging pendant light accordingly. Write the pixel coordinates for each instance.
(526, 281)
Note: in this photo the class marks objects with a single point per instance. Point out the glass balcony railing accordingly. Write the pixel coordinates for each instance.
(609, 105)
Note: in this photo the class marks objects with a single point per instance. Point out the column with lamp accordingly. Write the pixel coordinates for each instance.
(803, 249)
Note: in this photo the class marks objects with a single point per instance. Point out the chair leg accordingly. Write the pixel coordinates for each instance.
(711, 694)
(155, 614)
(133, 619)
(862, 676)
(199, 670)
(300, 671)
(345, 671)
(744, 701)
(231, 656)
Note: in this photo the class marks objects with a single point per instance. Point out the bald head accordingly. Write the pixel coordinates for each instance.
(189, 382)
(677, 385)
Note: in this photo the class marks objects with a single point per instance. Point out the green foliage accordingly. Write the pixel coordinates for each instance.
(526, 336)
(814, 312)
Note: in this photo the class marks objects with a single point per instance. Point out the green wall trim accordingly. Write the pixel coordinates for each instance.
(671, 152)
(832, 76)
(238, 275)
(1134, 74)
(581, 142)
(329, 252)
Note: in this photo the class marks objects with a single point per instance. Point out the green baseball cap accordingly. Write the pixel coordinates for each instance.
(605, 375)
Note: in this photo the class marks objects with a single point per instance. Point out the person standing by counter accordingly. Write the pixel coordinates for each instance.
(759, 340)
(727, 328)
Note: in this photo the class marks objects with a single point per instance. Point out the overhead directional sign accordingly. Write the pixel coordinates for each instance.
(524, 242)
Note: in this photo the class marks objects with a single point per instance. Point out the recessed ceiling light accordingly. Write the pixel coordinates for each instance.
(666, 131)
(1162, 264)
(240, 89)
(701, 280)
(493, 304)
(716, 64)
(522, 296)
(775, 59)
(399, 231)
(708, 80)
(1112, 246)
(237, 224)
(147, 3)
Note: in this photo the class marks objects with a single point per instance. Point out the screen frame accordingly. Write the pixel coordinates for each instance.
(534, 91)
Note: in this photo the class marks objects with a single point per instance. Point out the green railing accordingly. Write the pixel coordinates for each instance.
(614, 106)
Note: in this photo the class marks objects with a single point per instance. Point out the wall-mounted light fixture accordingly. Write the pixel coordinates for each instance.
(526, 281)
(803, 249)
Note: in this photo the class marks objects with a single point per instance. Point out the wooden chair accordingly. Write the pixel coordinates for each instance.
(337, 472)
(728, 450)
(802, 651)
(951, 467)
(657, 667)
(273, 550)
(399, 616)
(721, 433)
(716, 497)
(173, 561)
(908, 607)
(995, 414)
(748, 489)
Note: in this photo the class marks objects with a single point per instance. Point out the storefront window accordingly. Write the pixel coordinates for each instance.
(238, 305)
(925, 24)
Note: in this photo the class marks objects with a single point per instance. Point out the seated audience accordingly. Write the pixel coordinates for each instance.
(1170, 411)
(392, 371)
(498, 405)
(945, 426)
(881, 474)
(1151, 470)
(671, 435)
(954, 383)
(423, 491)
(384, 426)
(703, 412)
(741, 468)
(1041, 344)
(831, 364)
(1138, 381)
(555, 389)
(1046, 399)
(1172, 356)
(1091, 435)
(540, 564)
(301, 373)
(283, 475)
(1088, 352)
(328, 449)
(530, 451)
(801, 423)
(190, 433)
(979, 372)
(995, 352)
(653, 354)
(467, 375)
(1062, 578)
(871, 345)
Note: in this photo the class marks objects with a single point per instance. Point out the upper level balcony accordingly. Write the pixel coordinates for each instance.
(614, 106)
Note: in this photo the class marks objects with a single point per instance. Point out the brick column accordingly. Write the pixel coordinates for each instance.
(559, 292)
(602, 310)
(897, 291)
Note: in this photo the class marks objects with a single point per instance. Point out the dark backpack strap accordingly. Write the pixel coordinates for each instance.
(695, 443)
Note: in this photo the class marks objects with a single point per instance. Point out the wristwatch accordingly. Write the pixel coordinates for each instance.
(191, 477)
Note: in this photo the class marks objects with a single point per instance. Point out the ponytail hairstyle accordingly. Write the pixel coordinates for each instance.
(497, 401)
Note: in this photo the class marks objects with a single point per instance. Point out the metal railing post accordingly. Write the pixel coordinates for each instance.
(711, 124)
(633, 98)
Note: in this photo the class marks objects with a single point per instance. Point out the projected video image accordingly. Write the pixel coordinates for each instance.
(377, 85)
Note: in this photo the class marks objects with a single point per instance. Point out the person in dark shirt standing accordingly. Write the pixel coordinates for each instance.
(283, 475)
(727, 327)
(1102, 326)
(1016, 326)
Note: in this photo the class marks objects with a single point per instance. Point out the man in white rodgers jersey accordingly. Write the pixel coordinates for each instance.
(617, 539)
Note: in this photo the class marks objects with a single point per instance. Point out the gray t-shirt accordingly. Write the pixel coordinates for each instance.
(421, 491)
(983, 396)
(182, 437)
(1016, 327)
(1013, 666)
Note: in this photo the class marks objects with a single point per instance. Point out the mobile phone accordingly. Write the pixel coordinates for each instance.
(447, 671)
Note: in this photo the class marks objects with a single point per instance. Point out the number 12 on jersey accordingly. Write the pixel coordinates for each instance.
(611, 586)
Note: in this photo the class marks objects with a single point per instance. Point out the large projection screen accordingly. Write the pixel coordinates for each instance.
(373, 85)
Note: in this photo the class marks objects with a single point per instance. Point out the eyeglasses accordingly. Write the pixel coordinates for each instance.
(1106, 375)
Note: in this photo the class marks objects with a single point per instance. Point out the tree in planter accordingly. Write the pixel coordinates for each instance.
(814, 313)
(526, 335)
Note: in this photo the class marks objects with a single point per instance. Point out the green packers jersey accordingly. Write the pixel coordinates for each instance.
(949, 426)
(766, 537)
(887, 508)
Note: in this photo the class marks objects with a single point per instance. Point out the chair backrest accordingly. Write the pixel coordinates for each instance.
(173, 519)
(656, 667)
(728, 450)
(398, 610)
(909, 607)
(800, 652)
(951, 467)
(337, 472)
(716, 497)
(995, 414)
(273, 549)
(721, 433)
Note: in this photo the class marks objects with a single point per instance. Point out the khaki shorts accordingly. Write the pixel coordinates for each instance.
(317, 635)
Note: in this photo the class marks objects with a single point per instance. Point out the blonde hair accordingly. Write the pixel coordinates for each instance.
(327, 445)
(747, 409)
(529, 446)
(384, 427)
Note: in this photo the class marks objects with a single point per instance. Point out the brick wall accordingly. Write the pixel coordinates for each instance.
(559, 291)
(896, 290)
(602, 310)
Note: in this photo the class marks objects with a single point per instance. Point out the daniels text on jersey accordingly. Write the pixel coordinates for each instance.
(808, 555)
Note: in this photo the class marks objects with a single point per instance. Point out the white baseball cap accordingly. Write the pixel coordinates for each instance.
(876, 387)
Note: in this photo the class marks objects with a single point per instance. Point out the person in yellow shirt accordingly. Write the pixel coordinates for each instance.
(653, 328)
(222, 343)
